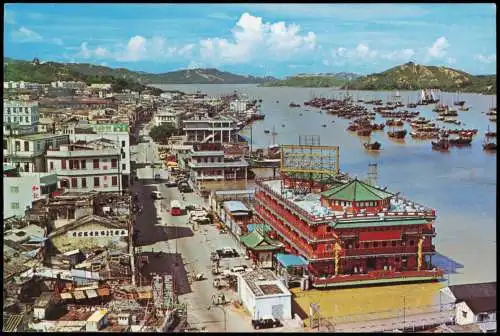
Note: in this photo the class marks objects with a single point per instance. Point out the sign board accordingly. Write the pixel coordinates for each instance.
(309, 159)
(109, 128)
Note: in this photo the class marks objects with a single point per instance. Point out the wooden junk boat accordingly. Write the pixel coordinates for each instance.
(490, 134)
(392, 122)
(372, 146)
(460, 141)
(489, 146)
(364, 132)
(411, 105)
(441, 145)
(397, 134)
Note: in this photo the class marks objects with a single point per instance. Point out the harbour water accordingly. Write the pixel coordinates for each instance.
(460, 185)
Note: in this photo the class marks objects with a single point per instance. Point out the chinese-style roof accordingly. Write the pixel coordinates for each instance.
(356, 191)
(374, 223)
(256, 241)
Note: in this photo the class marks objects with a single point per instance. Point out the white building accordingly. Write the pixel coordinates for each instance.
(101, 86)
(85, 166)
(264, 295)
(20, 113)
(28, 151)
(169, 116)
(69, 85)
(238, 106)
(20, 190)
(222, 130)
(480, 311)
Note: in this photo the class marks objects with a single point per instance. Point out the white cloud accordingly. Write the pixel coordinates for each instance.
(253, 38)
(399, 55)
(57, 41)
(194, 65)
(439, 48)
(24, 34)
(362, 51)
(85, 52)
(101, 52)
(104, 64)
(485, 58)
(9, 17)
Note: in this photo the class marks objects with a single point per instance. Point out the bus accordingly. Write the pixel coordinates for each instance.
(175, 208)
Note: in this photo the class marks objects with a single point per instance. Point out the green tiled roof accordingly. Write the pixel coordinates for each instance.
(363, 224)
(256, 241)
(356, 191)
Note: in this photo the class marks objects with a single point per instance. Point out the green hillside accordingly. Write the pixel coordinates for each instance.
(411, 76)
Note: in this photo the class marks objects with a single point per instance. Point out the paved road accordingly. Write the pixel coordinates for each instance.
(183, 251)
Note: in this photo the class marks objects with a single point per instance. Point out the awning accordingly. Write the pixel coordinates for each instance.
(91, 293)
(288, 260)
(380, 235)
(66, 296)
(79, 295)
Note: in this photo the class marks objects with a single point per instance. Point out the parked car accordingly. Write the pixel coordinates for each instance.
(265, 323)
(171, 184)
(239, 269)
(227, 253)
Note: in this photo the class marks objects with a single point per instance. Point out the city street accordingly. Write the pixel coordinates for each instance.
(179, 244)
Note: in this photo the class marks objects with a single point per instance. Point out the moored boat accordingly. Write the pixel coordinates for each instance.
(374, 146)
(292, 104)
(397, 134)
(441, 145)
(460, 141)
(490, 146)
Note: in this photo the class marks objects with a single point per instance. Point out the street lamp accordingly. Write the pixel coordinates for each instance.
(224, 311)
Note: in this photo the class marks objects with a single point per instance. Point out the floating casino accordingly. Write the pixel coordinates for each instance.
(350, 232)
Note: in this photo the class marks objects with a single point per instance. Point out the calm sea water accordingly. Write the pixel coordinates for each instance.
(460, 185)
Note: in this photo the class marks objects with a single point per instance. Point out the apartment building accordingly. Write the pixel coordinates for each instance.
(84, 166)
(27, 152)
(19, 115)
(204, 129)
(20, 190)
(169, 116)
(209, 163)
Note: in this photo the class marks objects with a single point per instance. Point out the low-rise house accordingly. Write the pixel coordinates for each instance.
(236, 216)
(260, 246)
(474, 304)
(44, 306)
(264, 295)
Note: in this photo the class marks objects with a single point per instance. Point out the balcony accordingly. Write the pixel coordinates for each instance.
(376, 275)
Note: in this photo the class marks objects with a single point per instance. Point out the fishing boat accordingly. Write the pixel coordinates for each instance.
(267, 131)
(300, 114)
(364, 132)
(460, 141)
(397, 134)
(372, 146)
(292, 104)
(441, 145)
(324, 125)
(490, 134)
(459, 102)
(489, 146)
(464, 108)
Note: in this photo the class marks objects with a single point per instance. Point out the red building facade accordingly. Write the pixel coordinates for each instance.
(361, 239)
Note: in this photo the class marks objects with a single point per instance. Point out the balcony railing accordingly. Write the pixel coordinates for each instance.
(386, 250)
(311, 218)
(374, 275)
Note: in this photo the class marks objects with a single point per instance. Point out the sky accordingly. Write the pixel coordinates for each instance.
(258, 39)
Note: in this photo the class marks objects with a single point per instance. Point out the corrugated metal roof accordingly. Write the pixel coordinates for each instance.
(235, 206)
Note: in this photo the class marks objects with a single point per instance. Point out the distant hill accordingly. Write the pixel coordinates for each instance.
(314, 80)
(411, 76)
(51, 71)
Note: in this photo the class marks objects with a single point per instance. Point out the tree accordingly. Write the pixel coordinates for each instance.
(162, 133)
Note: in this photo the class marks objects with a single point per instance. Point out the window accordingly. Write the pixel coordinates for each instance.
(4, 143)
(91, 233)
(103, 233)
(117, 232)
(18, 145)
(85, 234)
(26, 146)
(96, 181)
(123, 155)
(84, 182)
(38, 146)
(74, 183)
(375, 244)
(70, 164)
(96, 163)
(63, 164)
(366, 245)
(26, 119)
(114, 180)
(124, 166)
(76, 164)
(80, 234)
(27, 167)
(393, 243)
(123, 143)
(14, 205)
(464, 314)
(412, 242)
(14, 189)
(83, 164)
(114, 163)
(384, 244)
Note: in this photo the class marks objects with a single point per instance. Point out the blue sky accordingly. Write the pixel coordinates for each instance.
(258, 39)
